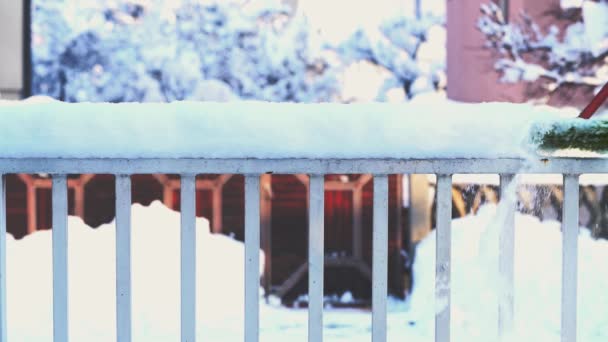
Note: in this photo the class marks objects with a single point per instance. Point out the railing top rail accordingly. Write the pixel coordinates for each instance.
(294, 165)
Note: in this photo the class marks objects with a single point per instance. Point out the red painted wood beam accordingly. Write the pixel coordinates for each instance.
(595, 103)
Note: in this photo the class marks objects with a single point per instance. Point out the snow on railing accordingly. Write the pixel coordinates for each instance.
(82, 150)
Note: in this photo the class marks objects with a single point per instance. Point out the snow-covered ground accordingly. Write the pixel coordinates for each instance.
(220, 281)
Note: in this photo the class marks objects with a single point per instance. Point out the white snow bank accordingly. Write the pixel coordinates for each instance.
(538, 248)
(266, 130)
(155, 281)
(220, 286)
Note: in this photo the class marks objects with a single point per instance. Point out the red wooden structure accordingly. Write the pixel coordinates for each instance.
(220, 198)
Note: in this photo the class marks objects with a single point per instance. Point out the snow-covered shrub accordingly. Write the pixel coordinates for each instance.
(157, 51)
(259, 51)
(575, 56)
(136, 50)
(412, 50)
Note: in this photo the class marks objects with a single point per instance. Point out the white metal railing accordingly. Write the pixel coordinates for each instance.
(316, 168)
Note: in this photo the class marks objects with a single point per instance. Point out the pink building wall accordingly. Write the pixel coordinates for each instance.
(470, 66)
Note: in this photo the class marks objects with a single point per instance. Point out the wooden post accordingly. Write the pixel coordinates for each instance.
(265, 222)
(168, 196)
(398, 269)
(216, 207)
(30, 206)
(357, 223)
(420, 207)
(79, 192)
(217, 215)
(168, 189)
(357, 191)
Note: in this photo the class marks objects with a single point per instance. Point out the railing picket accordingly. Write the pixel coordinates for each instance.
(570, 230)
(188, 258)
(123, 258)
(443, 258)
(316, 258)
(380, 258)
(506, 245)
(60, 258)
(252, 257)
(3, 332)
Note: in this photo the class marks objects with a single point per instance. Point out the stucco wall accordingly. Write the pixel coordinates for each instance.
(471, 74)
(11, 52)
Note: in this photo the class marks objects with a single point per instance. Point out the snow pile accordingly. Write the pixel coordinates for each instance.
(537, 281)
(155, 277)
(266, 130)
(220, 286)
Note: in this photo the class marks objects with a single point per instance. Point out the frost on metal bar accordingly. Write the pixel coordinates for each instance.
(60, 258)
(315, 258)
(252, 257)
(299, 165)
(2, 259)
(380, 258)
(443, 258)
(123, 258)
(188, 258)
(506, 255)
(569, 257)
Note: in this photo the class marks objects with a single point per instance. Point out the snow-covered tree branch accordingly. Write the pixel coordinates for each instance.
(412, 51)
(575, 56)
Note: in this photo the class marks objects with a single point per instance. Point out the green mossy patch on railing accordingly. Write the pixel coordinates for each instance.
(586, 135)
